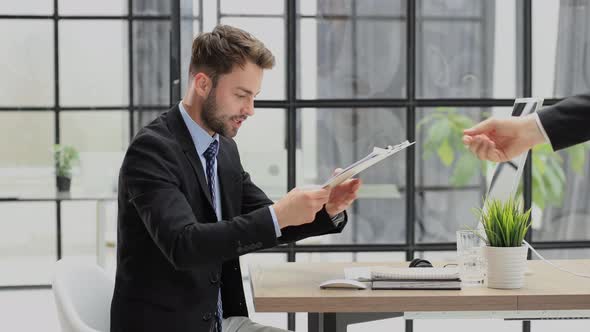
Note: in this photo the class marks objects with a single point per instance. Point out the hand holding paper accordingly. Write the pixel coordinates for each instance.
(374, 157)
(342, 195)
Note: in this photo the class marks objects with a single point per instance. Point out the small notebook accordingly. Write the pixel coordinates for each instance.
(414, 273)
(428, 285)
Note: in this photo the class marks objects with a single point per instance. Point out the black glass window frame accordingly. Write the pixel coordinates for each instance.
(174, 18)
(292, 104)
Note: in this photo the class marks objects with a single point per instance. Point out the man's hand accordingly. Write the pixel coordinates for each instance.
(500, 140)
(342, 195)
(300, 206)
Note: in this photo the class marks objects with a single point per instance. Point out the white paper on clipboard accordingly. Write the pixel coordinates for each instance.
(374, 157)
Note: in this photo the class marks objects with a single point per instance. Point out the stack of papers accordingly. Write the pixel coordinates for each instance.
(415, 278)
(371, 159)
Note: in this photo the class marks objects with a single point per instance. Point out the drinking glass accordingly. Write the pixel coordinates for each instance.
(471, 261)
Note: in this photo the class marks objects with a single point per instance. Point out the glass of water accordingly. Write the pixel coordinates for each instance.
(472, 267)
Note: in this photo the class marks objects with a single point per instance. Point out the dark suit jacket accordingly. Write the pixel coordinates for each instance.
(568, 122)
(172, 253)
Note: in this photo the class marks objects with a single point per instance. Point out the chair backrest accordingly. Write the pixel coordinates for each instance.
(83, 294)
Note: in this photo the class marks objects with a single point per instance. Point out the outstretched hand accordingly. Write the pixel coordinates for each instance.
(500, 140)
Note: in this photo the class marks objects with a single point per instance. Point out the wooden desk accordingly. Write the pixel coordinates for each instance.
(294, 287)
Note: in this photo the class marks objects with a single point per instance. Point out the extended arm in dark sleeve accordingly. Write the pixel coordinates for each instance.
(566, 123)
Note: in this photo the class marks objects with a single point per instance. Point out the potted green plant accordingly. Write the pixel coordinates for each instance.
(65, 158)
(505, 225)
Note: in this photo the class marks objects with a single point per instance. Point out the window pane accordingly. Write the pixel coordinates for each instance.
(561, 39)
(78, 222)
(92, 7)
(317, 257)
(187, 49)
(27, 63)
(381, 7)
(337, 60)
(196, 31)
(563, 254)
(27, 137)
(449, 178)
(142, 117)
(93, 63)
(325, 7)
(26, 7)
(438, 257)
(151, 62)
(196, 7)
(561, 211)
(261, 142)
(259, 259)
(471, 57)
(151, 7)
(27, 244)
(101, 146)
(451, 8)
(253, 7)
(331, 138)
(271, 31)
(380, 257)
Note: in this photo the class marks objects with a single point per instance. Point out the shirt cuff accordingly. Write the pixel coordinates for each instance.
(540, 125)
(338, 219)
(275, 221)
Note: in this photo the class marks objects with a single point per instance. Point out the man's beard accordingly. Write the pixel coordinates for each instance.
(210, 118)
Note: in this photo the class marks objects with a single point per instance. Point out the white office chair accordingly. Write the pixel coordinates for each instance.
(83, 294)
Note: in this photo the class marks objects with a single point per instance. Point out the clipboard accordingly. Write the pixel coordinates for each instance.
(371, 159)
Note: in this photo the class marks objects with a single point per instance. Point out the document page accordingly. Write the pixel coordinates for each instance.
(371, 159)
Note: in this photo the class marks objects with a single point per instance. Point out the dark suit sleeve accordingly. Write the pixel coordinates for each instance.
(321, 225)
(150, 174)
(566, 123)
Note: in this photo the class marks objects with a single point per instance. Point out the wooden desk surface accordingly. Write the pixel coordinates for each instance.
(294, 287)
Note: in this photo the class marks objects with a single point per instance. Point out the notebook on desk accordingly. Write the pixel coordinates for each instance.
(413, 273)
(383, 277)
(417, 284)
(430, 278)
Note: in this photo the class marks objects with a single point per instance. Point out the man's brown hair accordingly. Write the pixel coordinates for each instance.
(215, 53)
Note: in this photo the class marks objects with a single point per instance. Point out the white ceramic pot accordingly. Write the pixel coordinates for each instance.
(506, 266)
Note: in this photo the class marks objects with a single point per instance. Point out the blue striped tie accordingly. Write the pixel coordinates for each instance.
(210, 155)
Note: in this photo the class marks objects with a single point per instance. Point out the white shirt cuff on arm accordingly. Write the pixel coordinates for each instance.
(338, 219)
(275, 221)
(540, 125)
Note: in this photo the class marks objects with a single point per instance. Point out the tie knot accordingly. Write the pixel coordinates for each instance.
(211, 151)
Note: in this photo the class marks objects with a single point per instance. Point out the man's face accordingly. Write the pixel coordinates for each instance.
(232, 101)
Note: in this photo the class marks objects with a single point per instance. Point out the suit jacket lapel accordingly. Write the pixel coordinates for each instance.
(178, 127)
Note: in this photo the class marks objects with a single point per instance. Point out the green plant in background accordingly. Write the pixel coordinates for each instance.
(504, 223)
(444, 132)
(444, 139)
(549, 175)
(65, 158)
